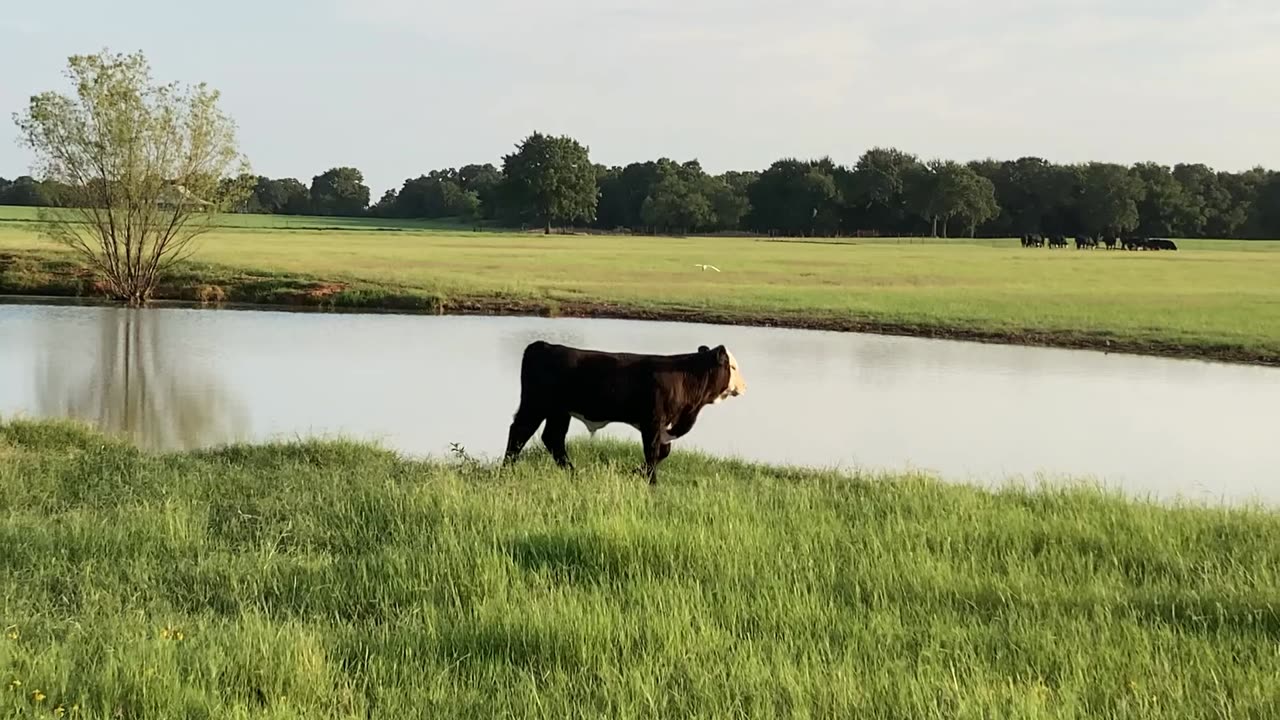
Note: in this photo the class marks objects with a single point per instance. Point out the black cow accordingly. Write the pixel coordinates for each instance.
(1110, 242)
(1161, 244)
(1058, 241)
(659, 395)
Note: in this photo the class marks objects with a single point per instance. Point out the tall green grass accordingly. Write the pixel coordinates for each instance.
(328, 579)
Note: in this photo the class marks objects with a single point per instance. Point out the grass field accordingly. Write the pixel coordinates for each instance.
(13, 215)
(1213, 299)
(337, 580)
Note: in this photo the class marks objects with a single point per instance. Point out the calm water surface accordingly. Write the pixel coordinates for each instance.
(179, 378)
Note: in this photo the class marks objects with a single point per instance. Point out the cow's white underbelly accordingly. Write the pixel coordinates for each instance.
(593, 426)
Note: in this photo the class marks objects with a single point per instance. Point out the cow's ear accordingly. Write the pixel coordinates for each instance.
(703, 348)
(722, 354)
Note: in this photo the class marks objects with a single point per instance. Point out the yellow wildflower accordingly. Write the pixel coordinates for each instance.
(177, 635)
(59, 711)
(37, 696)
(164, 632)
(15, 684)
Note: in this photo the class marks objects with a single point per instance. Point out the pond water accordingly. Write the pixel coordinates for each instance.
(185, 378)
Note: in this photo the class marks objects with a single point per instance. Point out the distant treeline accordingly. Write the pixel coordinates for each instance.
(886, 192)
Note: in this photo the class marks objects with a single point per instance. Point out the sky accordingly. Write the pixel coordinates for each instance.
(400, 87)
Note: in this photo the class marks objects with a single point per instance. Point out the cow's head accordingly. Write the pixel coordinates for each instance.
(736, 385)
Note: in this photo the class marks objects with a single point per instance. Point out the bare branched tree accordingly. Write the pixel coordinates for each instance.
(139, 170)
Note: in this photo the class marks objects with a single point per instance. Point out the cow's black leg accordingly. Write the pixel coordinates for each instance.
(553, 436)
(663, 451)
(651, 438)
(522, 428)
(683, 424)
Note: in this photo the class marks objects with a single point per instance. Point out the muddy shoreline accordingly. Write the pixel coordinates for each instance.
(498, 306)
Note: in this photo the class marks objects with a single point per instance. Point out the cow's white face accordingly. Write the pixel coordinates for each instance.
(736, 385)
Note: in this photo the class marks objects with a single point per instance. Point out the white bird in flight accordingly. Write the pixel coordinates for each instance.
(707, 267)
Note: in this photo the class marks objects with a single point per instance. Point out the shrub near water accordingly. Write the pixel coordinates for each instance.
(337, 580)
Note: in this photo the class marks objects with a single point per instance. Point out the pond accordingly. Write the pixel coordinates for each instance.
(185, 378)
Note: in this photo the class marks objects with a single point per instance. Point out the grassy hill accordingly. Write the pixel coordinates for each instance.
(338, 580)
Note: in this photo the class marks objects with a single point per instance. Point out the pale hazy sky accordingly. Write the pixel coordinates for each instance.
(398, 87)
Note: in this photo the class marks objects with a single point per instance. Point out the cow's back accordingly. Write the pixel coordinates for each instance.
(596, 385)
(568, 378)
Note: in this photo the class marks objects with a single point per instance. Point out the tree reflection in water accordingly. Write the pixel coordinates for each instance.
(139, 384)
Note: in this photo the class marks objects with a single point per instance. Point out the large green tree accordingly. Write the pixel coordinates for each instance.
(550, 180)
(1266, 220)
(1031, 191)
(140, 168)
(483, 181)
(1240, 194)
(795, 197)
(339, 191)
(941, 190)
(386, 205)
(286, 196)
(24, 190)
(623, 192)
(1167, 208)
(728, 196)
(977, 200)
(874, 190)
(438, 194)
(1109, 199)
(680, 201)
(1225, 200)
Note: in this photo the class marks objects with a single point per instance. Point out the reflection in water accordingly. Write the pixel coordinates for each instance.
(137, 383)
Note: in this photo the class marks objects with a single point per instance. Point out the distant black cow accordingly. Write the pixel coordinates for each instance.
(1084, 241)
(1133, 243)
(1110, 242)
(1161, 244)
(659, 395)
(1057, 241)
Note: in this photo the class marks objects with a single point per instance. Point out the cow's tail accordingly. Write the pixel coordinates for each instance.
(529, 364)
(531, 351)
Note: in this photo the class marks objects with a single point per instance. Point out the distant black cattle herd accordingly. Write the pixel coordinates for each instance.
(1090, 243)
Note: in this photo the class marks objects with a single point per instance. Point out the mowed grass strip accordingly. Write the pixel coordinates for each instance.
(1215, 299)
(336, 580)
